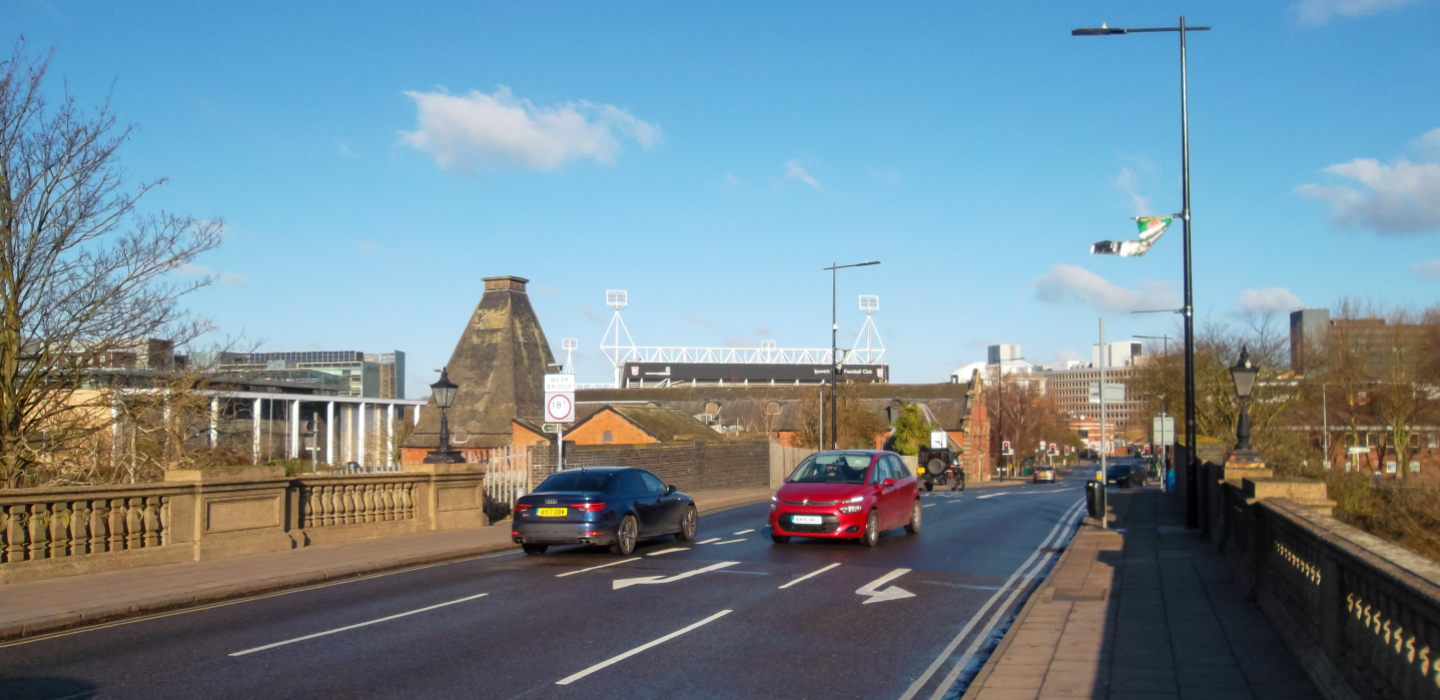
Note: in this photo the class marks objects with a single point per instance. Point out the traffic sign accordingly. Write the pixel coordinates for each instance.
(1163, 429)
(1114, 393)
(939, 439)
(551, 427)
(1358, 450)
(1042, 445)
(559, 398)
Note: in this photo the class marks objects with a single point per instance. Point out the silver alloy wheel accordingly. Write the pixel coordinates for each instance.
(687, 524)
(914, 525)
(625, 537)
(872, 530)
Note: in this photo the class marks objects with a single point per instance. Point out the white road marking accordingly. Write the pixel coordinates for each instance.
(627, 582)
(812, 573)
(744, 532)
(872, 589)
(613, 563)
(667, 551)
(927, 505)
(742, 539)
(991, 495)
(571, 679)
(1060, 527)
(351, 627)
(712, 539)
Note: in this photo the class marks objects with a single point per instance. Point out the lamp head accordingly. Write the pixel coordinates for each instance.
(1244, 374)
(444, 389)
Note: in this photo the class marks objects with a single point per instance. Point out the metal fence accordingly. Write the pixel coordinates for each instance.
(507, 477)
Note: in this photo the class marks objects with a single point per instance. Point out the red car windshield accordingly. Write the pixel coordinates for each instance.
(832, 468)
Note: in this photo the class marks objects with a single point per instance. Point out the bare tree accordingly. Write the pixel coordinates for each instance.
(83, 275)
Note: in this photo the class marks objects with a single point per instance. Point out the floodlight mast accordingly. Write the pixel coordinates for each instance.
(870, 304)
(617, 352)
(569, 345)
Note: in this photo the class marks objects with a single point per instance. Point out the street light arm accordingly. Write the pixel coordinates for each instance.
(842, 267)
(1112, 31)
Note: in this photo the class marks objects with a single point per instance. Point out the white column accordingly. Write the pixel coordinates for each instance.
(330, 433)
(295, 429)
(255, 442)
(360, 444)
(214, 420)
(390, 435)
(415, 414)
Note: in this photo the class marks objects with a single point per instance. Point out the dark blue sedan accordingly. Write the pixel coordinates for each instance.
(611, 506)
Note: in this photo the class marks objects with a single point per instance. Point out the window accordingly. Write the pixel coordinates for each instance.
(832, 468)
(607, 436)
(652, 483)
(1432, 443)
(575, 481)
(633, 483)
(898, 468)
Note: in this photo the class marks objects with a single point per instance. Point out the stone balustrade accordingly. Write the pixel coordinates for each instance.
(214, 514)
(1361, 614)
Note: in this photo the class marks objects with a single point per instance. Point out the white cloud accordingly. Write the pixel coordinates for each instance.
(592, 315)
(1072, 282)
(1125, 182)
(1429, 269)
(476, 132)
(1269, 299)
(1318, 12)
(793, 169)
(1429, 144)
(1400, 198)
(232, 279)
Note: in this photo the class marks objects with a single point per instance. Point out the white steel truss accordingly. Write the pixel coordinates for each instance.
(768, 355)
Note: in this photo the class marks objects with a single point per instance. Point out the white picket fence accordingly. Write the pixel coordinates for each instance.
(507, 477)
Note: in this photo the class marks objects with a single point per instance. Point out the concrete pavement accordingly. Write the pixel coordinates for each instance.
(40, 607)
(1146, 610)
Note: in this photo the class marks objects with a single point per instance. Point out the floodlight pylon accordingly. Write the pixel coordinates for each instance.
(569, 345)
(870, 304)
(616, 350)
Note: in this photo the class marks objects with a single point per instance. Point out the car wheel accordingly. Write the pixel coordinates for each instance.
(687, 525)
(534, 548)
(871, 537)
(779, 539)
(625, 537)
(914, 526)
(929, 486)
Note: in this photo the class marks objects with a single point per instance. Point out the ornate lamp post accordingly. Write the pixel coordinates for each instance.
(1244, 374)
(444, 393)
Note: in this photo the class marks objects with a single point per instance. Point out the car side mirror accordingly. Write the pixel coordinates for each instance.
(887, 483)
(670, 489)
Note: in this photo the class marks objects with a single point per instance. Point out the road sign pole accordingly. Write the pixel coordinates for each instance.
(1104, 439)
(560, 449)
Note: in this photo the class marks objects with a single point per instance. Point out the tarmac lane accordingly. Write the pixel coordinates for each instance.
(735, 617)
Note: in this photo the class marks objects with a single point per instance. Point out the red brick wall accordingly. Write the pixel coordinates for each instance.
(690, 466)
(622, 432)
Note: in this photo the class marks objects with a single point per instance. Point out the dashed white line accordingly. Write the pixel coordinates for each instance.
(744, 532)
(351, 627)
(991, 495)
(812, 573)
(613, 563)
(927, 505)
(571, 679)
(742, 539)
(712, 539)
(667, 551)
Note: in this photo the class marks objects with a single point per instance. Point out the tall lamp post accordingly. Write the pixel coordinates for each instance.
(834, 352)
(1192, 483)
(444, 393)
(1244, 374)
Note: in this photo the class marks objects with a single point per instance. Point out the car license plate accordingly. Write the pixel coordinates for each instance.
(805, 519)
(554, 512)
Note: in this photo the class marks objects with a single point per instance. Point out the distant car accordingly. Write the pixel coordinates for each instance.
(850, 494)
(609, 506)
(1125, 474)
(939, 466)
(1044, 473)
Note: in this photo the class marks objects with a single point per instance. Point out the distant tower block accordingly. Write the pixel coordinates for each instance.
(616, 349)
(569, 345)
(870, 304)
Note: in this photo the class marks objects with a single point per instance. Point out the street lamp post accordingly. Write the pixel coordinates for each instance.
(444, 393)
(1192, 483)
(834, 352)
(1243, 374)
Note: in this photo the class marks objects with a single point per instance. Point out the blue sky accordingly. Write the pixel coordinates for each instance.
(372, 161)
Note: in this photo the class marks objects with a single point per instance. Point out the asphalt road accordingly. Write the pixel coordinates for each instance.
(735, 617)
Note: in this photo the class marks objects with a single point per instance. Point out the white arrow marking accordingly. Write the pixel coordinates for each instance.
(627, 582)
(872, 589)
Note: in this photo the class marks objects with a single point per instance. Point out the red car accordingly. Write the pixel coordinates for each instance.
(848, 494)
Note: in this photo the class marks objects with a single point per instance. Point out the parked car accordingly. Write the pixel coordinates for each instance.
(1044, 473)
(1125, 473)
(850, 494)
(612, 506)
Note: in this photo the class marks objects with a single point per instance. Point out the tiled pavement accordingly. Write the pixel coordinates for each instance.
(1145, 610)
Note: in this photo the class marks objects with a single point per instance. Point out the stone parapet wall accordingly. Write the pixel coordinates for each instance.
(221, 513)
(691, 466)
(1361, 614)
